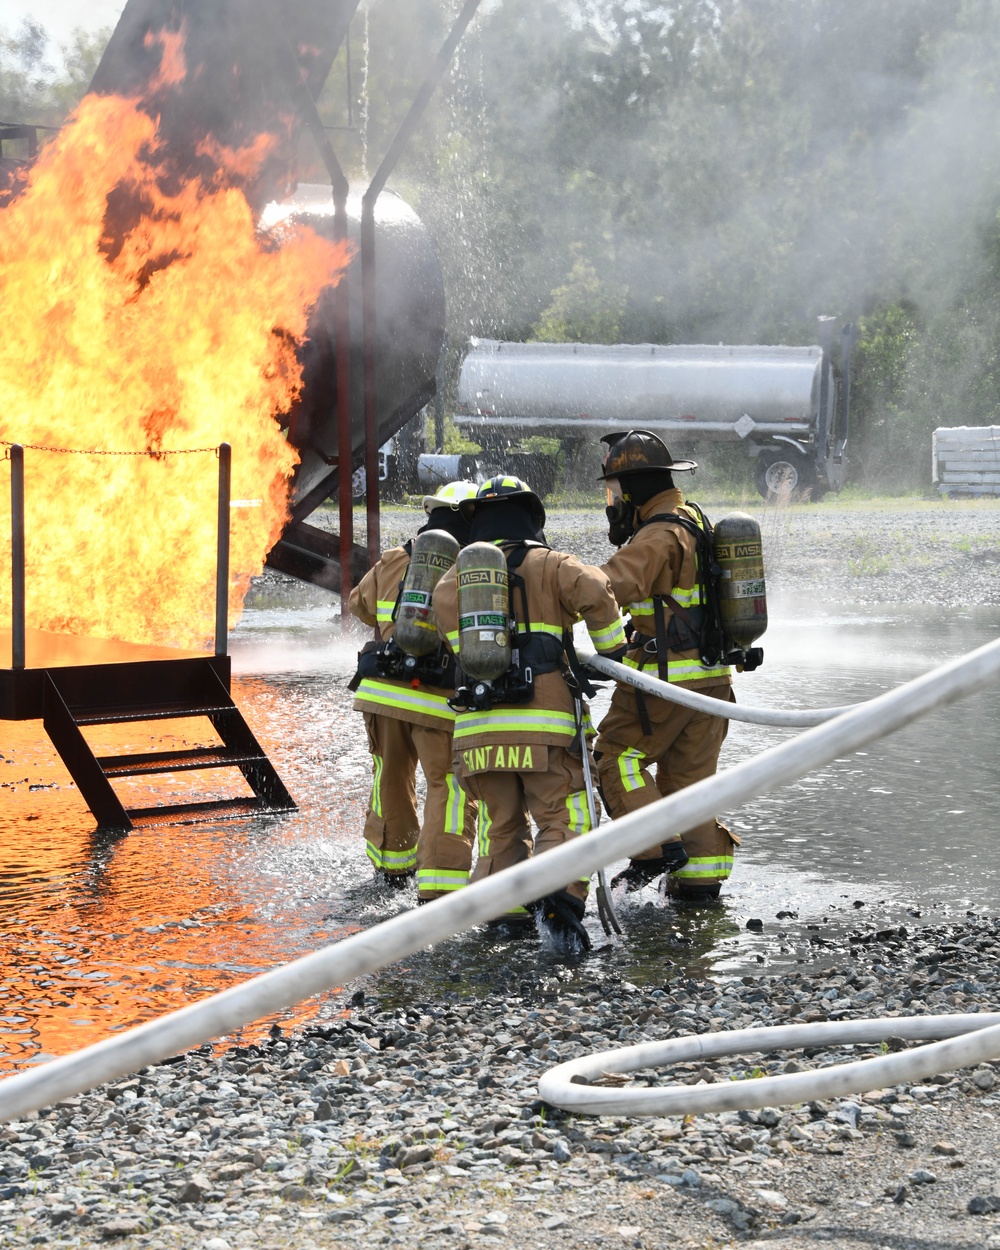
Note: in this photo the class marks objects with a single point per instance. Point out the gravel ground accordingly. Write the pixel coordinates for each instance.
(941, 551)
(423, 1126)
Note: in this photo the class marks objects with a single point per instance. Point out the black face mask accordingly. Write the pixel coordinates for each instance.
(622, 517)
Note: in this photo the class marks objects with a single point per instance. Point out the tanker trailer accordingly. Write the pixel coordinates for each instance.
(785, 405)
(252, 67)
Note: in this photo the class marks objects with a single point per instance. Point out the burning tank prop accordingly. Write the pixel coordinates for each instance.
(179, 293)
(257, 69)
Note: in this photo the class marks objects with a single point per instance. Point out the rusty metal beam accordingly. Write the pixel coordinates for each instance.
(375, 187)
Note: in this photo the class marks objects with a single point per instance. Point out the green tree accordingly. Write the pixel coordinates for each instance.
(584, 309)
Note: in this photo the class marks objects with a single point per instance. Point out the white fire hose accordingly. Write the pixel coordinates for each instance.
(974, 1038)
(414, 930)
(704, 703)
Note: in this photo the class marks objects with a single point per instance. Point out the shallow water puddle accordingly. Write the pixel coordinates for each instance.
(99, 933)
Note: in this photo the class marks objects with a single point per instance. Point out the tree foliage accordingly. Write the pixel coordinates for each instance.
(689, 171)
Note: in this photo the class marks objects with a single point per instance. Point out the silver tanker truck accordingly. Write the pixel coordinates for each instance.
(787, 406)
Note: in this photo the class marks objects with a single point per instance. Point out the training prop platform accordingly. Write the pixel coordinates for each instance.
(70, 683)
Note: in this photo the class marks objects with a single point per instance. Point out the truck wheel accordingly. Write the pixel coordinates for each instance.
(784, 477)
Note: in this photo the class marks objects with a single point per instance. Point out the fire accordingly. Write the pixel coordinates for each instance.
(171, 328)
(173, 64)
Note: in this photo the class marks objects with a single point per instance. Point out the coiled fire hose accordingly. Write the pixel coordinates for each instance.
(974, 1038)
(414, 930)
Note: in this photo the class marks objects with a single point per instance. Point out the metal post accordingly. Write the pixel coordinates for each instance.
(826, 370)
(341, 304)
(373, 526)
(222, 560)
(402, 137)
(439, 395)
(17, 555)
(345, 427)
(847, 337)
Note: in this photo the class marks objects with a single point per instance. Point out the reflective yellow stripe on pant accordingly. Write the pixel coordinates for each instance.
(456, 822)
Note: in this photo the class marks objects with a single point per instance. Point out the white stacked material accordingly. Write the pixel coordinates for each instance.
(966, 460)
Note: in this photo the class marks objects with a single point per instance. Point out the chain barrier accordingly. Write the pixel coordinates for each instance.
(83, 451)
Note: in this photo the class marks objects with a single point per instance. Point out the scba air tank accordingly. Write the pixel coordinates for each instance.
(483, 612)
(739, 554)
(432, 555)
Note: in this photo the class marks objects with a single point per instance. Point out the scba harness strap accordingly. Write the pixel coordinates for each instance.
(690, 627)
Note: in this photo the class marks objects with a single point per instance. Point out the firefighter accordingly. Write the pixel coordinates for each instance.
(409, 720)
(655, 576)
(518, 750)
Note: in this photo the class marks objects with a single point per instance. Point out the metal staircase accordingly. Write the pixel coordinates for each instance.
(156, 691)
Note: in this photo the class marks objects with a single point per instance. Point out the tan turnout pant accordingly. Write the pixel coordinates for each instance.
(555, 798)
(440, 846)
(683, 747)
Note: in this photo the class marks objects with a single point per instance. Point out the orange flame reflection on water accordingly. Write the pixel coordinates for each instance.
(174, 331)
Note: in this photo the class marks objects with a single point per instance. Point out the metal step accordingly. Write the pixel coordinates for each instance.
(198, 813)
(176, 761)
(144, 712)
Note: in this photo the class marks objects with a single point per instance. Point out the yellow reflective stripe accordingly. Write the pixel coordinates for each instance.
(630, 769)
(539, 627)
(441, 879)
(376, 803)
(707, 866)
(392, 861)
(687, 598)
(400, 861)
(680, 670)
(405, 698)
(384, 609)
(453, 640)
(513, 721)
(483, 830)
(610, 638)
(578, 811)
(454, 811)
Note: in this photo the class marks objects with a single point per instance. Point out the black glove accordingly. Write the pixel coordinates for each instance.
(641, 871)
(593, 674)
(674, 855)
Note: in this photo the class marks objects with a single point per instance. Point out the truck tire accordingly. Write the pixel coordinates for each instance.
(783, 476)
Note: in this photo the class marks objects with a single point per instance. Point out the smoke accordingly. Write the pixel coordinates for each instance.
(742, 165)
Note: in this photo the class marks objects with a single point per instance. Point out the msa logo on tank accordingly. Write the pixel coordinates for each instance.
(483, 611)
(742, 595)
(432, 555)
(739, 551)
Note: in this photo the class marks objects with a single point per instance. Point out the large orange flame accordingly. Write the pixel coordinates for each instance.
(164, 327)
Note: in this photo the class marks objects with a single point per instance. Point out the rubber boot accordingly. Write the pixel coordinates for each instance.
(397, 880)
(512, 928)
(640, 872)
(685, 894)
(561, 916)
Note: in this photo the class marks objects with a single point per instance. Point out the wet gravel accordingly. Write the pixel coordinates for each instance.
(421, 1125)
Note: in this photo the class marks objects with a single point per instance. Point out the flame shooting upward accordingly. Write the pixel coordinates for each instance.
(164, 327)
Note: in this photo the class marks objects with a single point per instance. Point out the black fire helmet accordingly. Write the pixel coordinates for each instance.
(639, 451)
(504, 488)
